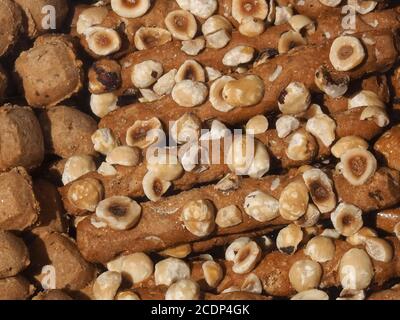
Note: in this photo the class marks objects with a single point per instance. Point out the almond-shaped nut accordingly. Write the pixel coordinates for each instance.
(305, 275)
(355, 270)
(76, 167)
(90, 17)
(300, 23)
(119, 212)
(346, 143)
(124, 156)
(346, 53)
(312, 294)
(347, 219)
(183, 290)
(289, 40)
(194, 46)
(104, 141)
(213, 273)
(285, 125)
(377, 114)
(251, 27)
(165, 164)
(189, 94)
(252, 284)
(261, 206)
(130, 9)
(199, 217)
(190, 70)
(310, 218)
(103, 41)
(282, 14)
(186, 128)
(103, 104)
(320, 249)
(85, 194)
(238, 55)
(181, 24)
(379, 249)
(246, 258)
(170, 270)
(257, 125)
(322, 127)
(228, 217)
(293, 201)
(361, 236)
(151, 37)
(294, 99)
(365, 98)
(106, 285)
(289, 238)
(154, 188)
(216, 98)
(146, 73)
(242, 9)
(144, 133)
(245, 92)
(333, 85)
(302, 146)
(358, 165)
(330, 3)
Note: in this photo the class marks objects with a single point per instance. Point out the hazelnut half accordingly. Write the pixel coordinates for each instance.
(181, 24)
(358, 165)
(355, 270)
(130, 9)
(289, 238)
(346, 53)
(199, 217)
(347, 219)
(334, 86)
(151, 37)
(296, 98)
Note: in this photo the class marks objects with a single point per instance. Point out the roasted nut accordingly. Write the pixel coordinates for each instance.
(104, 76)
(282, 14)
(322, 127)
(77, 166)
(289, 238)
(346, 53)
(215, 24)
(347, 143)
(213, 273)
(151, 37)
(188, 93)
(246, 258)
(106, 169)
(194, 157)
(257, 125)
(293, 201)
(363, 6)
(379, 249)
(183, 290)
(252, 284)
(377, 114)
(228, 217)
(130, 9)
(300, 23)
(90, 17)
(217, 131)
(312, 294)
(301, 146)
(170, 270)
(330, 3)
(106, 285)
(103, 41)
(289, 40)
(251, 27)
(201, 8)
(361, 236)
(181, 24)
(365, 98)
(355, 270)
(104, 141)
(253, 8)
(148, 95)
(199, 217)
(165, 165)
(180, 252)
(330, 233)
(186, 128)
(347, 219)
(165, 83)
(320, 249)
(85, 194)
(103, 104)
(305, 275)
(311, 217)
(334, 86)
(295, 99)
(135, 267)
(358, 165)
(153, 187)
(190, 70)
(126, 295)
(261, 206)
(143, 134)
(124, 156)
(244, 92)
(218, 39)
(146, 73)
(285, 125)
(348, 294)
(14, 255)
(238, 55)
(234, 248)
(119, 212)
(321, 189)
(193, 47)
(216, 98)
(228, 183)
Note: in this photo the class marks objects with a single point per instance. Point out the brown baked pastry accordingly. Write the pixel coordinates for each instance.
(52, 295)
(389, 294)
(10, 16)
(15, 288)
(14, 255)
(386, 146)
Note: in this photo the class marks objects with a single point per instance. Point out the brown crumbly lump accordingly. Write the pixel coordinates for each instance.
(14, 255)
(15, 288)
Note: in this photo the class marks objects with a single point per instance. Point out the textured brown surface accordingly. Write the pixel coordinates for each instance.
(10, 16)
(15, 288)
(388, 147)
(386, 220)
(390, 294)
(14, 255)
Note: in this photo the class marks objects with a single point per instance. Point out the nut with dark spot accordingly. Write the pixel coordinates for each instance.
(104, 76)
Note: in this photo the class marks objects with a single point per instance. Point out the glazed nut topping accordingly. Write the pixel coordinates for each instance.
(200, 8)
(252, 284)
(323, 127)
(104, 141)
(124, 156)
(151, 37)
(186, 128)
(347, 143)
(190, 70)
(330, 3)
(102, 41)
(183, 290)
(320, 249)
(300, 23)
(126, 295)
(154, 188)
(285, 125)
(119, 212)
(379, 249)
(180, 252)
(293, 202)
(377, 114)
(130, 9)
(143, 134)
(86, 193)
(251, 27)
(305, 275)
(146, 73)
(245, 92)
(165, 165)
(242, 9)
(261, 206)
(188, 93)
(311, 217)
(289, 40)
(106, 285)
(234, 248)
(347, 219)
(289, 238)
(312, 294)
(199, 217)
(216, 98)
(238, 55)
(257, 125)
(76, 167)
(320, 187)
(170, 270)
(365, 98)
(346, 53)
(193, 47)
(296, 98)
(181, 24)
(103, 104)
(135, 267)
(90, 17)
(327, 82)
(358, 165)
(246, 258)
(213, 273)
(228, 217)
(361, 236)
(355, 270)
